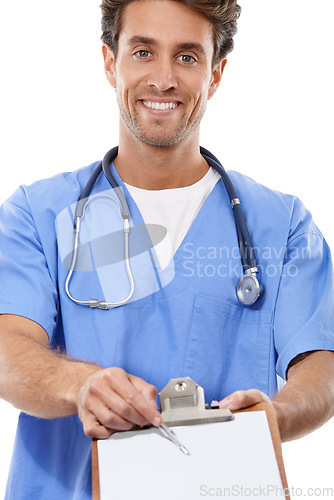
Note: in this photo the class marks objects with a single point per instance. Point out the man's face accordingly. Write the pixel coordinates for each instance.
(163, 71)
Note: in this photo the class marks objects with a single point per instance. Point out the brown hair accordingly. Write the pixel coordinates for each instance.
(222, 14)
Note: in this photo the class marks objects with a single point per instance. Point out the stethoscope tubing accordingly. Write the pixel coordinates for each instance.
(82, 203)
(246, 248)
(248, 289)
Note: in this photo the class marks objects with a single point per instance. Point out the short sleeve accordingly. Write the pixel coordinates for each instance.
(304, 313)
(27, 288)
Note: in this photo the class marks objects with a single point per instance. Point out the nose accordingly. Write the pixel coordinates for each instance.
(162, 75)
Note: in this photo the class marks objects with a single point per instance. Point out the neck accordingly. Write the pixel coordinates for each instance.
(154, 168)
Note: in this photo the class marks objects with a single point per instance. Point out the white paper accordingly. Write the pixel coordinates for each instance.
(233, 459)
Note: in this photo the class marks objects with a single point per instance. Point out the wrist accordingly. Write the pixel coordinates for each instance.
(80, 372)
(283, 416)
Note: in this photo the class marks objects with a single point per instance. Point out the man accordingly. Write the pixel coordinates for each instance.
(78, 372)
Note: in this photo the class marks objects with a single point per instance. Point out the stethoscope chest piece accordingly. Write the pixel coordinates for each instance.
(249, 289)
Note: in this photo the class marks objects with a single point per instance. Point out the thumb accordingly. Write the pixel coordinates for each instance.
(243, 399)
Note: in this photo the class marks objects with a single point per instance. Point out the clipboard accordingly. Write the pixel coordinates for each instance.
(225, 415)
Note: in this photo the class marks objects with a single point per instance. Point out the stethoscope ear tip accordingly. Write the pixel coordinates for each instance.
(249, 289)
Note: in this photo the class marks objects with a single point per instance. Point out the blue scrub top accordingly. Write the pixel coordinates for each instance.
(184, 320)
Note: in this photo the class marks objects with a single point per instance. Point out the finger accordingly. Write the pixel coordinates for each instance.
(105, 403)
(93, 428)
(113, 410)
(98, 399)
(127, 387)
(116, 391)
(101, 422)
(108, 418)
(148, 391)
(242, 399)
(123, 397)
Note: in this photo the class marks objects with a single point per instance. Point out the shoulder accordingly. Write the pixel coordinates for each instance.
(271, 207)
(248, 188)
(32, 211)
(53, 193)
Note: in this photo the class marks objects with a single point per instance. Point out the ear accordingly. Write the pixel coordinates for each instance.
(109, 64)
(216, 77)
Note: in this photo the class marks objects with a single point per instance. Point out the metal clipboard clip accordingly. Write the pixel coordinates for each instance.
(182, 402)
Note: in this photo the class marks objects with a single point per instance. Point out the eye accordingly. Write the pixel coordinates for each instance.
(142, 54)
(186, 58)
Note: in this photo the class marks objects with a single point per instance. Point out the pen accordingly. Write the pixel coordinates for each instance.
(172, 436)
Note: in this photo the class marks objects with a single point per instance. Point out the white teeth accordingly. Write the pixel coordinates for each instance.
(160, 105)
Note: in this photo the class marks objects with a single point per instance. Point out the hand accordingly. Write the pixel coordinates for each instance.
(112, 400)
(243, 399)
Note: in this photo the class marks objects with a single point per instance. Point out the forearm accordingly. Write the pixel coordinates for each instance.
(49, 385)
(307, 400)
(37, 380)
(304, 403)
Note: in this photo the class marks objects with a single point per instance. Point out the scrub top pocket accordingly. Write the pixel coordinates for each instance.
(229, 345)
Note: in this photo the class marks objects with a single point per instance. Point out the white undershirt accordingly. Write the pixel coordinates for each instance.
(175, 209)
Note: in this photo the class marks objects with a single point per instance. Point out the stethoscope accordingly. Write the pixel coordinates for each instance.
(248, 288)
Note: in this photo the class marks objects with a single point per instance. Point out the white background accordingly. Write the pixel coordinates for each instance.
(272, 119)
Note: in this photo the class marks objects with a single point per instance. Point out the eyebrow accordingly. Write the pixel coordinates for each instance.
(197, 47)
(141, 39)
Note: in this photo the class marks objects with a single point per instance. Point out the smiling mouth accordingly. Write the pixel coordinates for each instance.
(160, 105)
